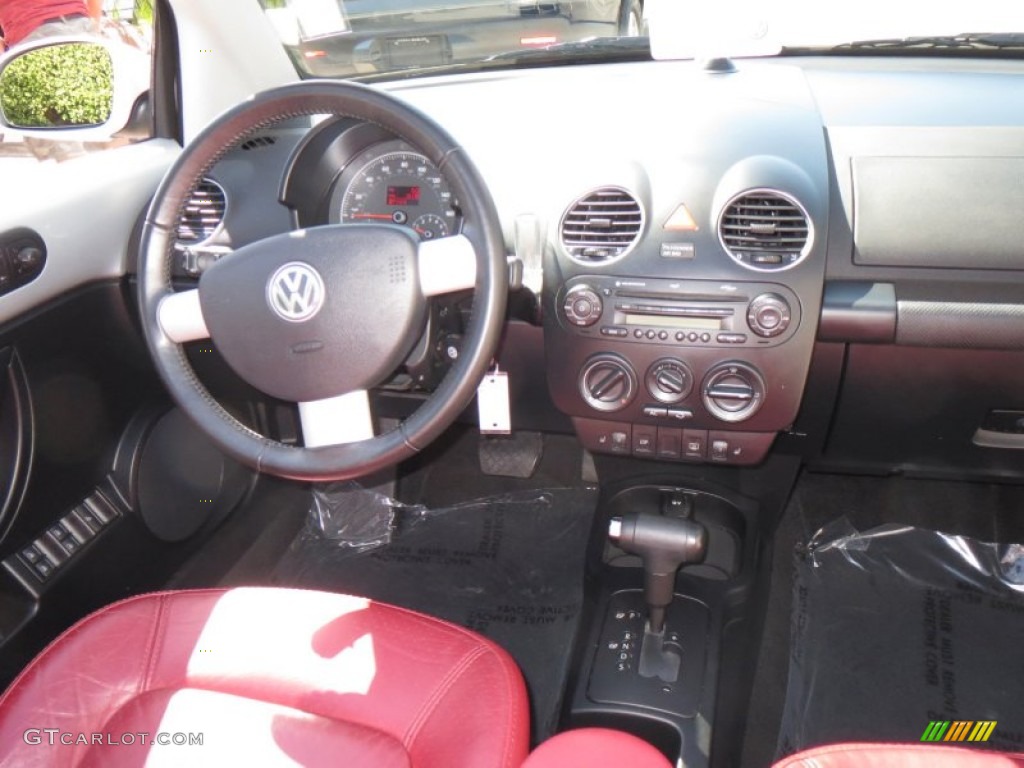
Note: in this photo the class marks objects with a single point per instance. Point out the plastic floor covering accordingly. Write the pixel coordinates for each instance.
(898, 628)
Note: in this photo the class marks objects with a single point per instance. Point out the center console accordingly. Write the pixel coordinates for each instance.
(678, 347)
(682, 297)
(681, 304)
(673, 586)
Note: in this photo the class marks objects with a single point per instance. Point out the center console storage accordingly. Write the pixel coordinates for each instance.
(668, 649)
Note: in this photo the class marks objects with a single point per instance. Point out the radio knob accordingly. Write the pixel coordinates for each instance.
(768, 315)
(608, 383)
(582, 306)
(669, 380)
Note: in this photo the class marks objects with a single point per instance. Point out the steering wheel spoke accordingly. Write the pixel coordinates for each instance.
(336, 420)
(446, 265)
(181, 317)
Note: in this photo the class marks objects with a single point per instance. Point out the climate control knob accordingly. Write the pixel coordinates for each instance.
(769, 315)
(582, 306)
(733, 391)
(608, 383)
(669, 380)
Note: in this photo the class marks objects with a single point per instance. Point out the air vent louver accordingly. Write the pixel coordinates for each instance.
(765, 229)
(602, 226)
(202, 214)
(258, 142)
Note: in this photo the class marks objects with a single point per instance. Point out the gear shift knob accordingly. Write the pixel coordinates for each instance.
(664, 544)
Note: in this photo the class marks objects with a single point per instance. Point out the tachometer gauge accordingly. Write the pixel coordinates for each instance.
(401, 187)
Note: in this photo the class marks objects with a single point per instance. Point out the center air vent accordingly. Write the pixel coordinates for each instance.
(202, 214)
(602, 226)
(766, 230)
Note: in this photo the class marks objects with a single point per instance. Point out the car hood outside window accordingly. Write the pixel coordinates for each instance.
(399, 38)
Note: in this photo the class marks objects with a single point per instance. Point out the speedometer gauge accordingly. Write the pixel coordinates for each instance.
(401, 187)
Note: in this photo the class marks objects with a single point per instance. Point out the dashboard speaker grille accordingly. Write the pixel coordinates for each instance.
(765, 229)
(602, 226)
(203, 213)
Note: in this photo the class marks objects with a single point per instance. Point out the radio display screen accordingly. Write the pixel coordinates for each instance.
(668, 321)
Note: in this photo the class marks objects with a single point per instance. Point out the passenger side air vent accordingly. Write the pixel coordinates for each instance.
(602, 226)
(203, 213)
(765, 230)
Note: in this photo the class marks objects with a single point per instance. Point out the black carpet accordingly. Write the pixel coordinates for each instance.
(509, 567)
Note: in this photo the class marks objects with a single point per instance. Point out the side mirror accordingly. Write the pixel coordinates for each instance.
(72, 89)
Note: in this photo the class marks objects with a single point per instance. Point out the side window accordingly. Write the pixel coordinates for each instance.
(58, 74)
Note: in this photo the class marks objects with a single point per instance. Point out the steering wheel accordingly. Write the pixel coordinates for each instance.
(320, 316)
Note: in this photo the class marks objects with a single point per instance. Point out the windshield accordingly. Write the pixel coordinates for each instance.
(347, 38)
(339, 38)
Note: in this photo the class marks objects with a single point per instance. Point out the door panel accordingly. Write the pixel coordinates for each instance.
(83, 209)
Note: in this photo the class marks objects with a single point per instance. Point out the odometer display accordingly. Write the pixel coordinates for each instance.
(394, 184)
(403, 195)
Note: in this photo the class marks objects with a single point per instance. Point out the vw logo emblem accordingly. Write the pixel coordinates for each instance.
(295, 292)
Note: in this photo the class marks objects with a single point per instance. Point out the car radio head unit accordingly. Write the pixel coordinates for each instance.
(678, 312)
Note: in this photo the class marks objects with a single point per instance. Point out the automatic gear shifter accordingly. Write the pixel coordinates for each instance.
(664, 544)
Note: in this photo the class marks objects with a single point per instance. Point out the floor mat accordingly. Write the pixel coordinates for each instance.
(987, 512)
(899, 628)
(508, 566)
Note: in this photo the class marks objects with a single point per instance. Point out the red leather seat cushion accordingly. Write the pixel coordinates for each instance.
(596, 748)
(267, 676)
(900, 756)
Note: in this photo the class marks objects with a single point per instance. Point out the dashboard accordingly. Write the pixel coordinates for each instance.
(703, 252)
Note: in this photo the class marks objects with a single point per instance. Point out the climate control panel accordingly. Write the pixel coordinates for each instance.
(668, 429)
(669, 380)
(608, 383)
(733, 391)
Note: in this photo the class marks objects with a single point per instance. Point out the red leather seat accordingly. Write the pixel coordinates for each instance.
(275, 676)
(595, 748)
(900, 756)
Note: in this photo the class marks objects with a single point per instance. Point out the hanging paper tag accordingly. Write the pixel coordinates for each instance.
(493, 404)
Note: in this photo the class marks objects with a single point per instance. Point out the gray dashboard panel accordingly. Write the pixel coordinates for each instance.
(943, 120)
(939, 211)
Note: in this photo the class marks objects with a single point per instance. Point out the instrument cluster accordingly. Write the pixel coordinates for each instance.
(391, 182)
